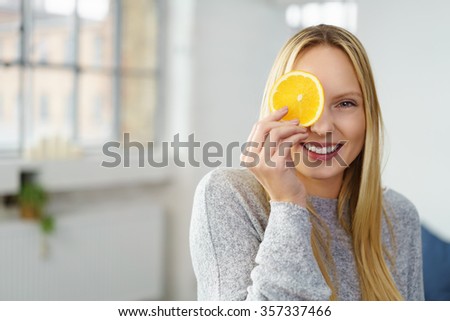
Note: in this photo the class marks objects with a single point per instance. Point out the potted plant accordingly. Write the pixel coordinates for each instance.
(32, 199)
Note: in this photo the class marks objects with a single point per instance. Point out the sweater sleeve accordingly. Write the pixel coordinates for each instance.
(232, 262)
(409, 245)
(415, 277)
(415, 273)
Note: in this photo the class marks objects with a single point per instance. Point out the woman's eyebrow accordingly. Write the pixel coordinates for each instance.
(349, 94)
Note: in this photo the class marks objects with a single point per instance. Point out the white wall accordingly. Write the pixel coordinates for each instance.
(407, 42)
(178, 109)
(218, 57)
(235, 45)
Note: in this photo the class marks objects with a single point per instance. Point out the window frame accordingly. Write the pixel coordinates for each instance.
(24, 63)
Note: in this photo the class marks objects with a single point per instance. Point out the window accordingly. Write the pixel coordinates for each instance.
(1, 108)
(81, 70)
(44, 112)
(341, 13)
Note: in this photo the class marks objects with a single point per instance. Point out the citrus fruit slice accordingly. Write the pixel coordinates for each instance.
(302, 92)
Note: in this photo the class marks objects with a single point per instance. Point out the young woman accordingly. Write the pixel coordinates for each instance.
(323, 232)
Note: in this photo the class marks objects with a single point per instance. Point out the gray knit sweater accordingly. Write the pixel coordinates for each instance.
(240, 252)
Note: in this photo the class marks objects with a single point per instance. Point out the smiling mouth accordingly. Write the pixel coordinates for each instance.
(318, 149)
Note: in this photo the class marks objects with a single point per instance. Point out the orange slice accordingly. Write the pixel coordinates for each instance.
(302, 92)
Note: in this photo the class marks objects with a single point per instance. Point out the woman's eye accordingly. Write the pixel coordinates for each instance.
(346, 104)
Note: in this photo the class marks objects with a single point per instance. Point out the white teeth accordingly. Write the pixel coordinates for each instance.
(321, 150)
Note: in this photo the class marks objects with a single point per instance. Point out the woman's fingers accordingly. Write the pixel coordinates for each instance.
(280, 136)
(264, 145)
(261, 131)
(268, 132)
(273, 130)
(283, 152)
(277, 114)
(273, 117)
(262, 128)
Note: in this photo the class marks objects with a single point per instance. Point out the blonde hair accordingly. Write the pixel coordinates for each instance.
(361, 192)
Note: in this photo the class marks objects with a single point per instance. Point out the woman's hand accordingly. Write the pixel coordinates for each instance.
(268, 155)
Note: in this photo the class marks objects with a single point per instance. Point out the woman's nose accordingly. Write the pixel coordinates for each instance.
(324, 124)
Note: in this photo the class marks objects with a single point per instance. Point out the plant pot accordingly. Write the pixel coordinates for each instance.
(29, 213)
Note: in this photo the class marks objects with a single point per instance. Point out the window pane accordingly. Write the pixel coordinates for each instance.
(96, 33)
(51, 114)
(95, 109)
(9, 30)
(139, 34)
(138, 106)
(52, 38)
(9, 108)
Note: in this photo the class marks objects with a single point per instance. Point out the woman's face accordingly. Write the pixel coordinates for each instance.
(341, 127)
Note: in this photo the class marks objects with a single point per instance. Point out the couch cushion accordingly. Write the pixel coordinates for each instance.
(436, 266)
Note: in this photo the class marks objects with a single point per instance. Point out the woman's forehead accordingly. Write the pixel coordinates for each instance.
(331, 66)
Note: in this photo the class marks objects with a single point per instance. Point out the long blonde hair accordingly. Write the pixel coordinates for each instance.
(361, 192)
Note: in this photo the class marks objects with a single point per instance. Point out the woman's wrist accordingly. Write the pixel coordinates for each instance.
(299, 200)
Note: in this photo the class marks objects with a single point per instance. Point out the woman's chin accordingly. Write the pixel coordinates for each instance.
(321, 172)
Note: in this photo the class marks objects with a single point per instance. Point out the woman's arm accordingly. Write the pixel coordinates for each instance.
(415, 274)
(408, 239)
(230, 260)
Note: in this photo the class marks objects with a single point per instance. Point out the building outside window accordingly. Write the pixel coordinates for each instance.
(100, 53)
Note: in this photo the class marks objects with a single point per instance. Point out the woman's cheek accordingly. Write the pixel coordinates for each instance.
(353, 129)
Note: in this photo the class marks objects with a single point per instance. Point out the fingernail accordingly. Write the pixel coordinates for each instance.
(285, 108)
(294, 121)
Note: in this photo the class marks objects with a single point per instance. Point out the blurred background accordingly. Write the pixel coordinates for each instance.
(76, 74)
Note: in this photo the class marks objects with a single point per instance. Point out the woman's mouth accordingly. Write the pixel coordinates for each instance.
(321, 151)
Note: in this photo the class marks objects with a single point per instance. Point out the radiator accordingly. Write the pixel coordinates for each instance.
(103, 252)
